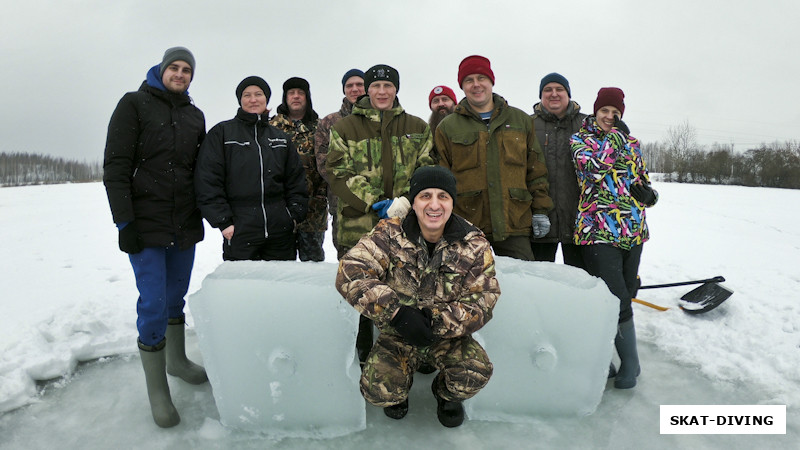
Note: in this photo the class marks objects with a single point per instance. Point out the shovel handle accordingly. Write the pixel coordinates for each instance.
(652, 305)
(717, 279)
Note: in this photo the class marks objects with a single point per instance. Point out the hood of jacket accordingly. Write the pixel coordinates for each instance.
(572, 109)
(363, 107)
(253, 118)
(465, 109)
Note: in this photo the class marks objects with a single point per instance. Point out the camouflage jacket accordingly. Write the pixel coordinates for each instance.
(302, 137)
(500, 169)
(391, 266)
(322, 136)
(364, 147)
(554, 136)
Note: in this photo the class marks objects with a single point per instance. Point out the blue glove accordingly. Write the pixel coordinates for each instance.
(382, 207)
(541, 225)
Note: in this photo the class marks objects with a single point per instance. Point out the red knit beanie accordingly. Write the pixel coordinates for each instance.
(474, 64)
(610, 96)
(441, 90)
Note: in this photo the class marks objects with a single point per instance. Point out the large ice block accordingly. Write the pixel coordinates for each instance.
(278, 343)
(550, 340)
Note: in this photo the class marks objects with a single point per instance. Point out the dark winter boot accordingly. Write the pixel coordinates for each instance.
(612, 371)
(450, 413)
(178, 365)
(626, 349)
(397, 411)
(364, 339)
(154, 363)
(426, 368)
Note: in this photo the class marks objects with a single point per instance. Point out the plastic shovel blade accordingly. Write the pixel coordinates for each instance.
(704, 298)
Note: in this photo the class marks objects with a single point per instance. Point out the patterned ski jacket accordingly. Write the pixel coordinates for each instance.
(249, 175)
(148, 170)
(391, 266)
(302, 136)
(554, 136)
(372, 156)
(500, 169)
(607, 165)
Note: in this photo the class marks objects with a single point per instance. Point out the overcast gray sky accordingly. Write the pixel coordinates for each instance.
(729, 68)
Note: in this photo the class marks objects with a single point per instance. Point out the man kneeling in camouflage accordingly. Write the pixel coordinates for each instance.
(428, 282)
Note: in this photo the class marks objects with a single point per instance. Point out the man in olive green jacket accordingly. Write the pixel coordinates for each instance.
(492, 149)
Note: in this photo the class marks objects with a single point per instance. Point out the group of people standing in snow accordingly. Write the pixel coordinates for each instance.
(419, 209)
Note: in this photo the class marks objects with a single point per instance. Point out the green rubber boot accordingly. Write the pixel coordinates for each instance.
(629, 368)
(178, 365)
(154, 363)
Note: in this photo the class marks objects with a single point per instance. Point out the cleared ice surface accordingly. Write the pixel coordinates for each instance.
(278, 344)
(550, 340)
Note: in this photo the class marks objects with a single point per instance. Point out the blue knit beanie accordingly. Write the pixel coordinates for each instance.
(351, 73)
(554, 78)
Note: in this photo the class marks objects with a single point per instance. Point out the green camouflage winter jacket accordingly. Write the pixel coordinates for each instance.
(500, 169)
(391, 266)
(302, 136)
(365, 146)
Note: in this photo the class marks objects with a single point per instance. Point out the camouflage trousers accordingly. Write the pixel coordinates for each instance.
(309, 245)
(464, 369)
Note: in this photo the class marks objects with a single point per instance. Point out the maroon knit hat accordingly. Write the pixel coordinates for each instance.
(474, 64)
(610, 96)
(441, 90)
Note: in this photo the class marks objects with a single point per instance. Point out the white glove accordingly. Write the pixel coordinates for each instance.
(541, 225)
(399, 208)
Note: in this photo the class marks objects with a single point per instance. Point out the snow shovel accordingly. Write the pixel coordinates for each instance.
(700, 299)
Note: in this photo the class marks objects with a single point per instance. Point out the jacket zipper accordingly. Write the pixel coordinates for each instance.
(261, 163)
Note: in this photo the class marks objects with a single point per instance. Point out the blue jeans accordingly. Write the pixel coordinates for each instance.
(162, 277)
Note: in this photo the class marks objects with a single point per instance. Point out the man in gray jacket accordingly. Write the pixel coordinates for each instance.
(555, 118)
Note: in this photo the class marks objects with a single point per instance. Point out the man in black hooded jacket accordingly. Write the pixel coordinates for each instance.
(150, 154)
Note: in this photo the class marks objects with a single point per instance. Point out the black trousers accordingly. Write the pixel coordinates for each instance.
(618, 268)
(546, 251)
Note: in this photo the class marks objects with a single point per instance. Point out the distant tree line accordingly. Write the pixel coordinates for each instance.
(21, 169)
(682, 160)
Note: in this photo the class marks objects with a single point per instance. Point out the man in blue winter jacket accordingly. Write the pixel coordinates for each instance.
(151, 148)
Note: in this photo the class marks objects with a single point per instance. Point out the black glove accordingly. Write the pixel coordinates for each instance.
(130, 241)
(414, 325)
(643, 193)
(620, 125)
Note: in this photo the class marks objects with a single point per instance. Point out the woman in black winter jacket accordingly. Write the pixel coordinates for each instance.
(250, 182)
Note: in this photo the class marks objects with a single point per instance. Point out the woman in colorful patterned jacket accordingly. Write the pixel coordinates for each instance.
(428, 282)
(610, 226)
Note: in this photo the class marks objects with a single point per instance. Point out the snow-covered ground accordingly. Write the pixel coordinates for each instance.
(68, 296)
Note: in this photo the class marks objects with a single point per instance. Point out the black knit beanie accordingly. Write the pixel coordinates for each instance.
(176, 54)
(432, 177)
(382, 72)
(252, 81)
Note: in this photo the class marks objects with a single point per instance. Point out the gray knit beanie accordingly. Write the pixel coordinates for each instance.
(176, 54)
